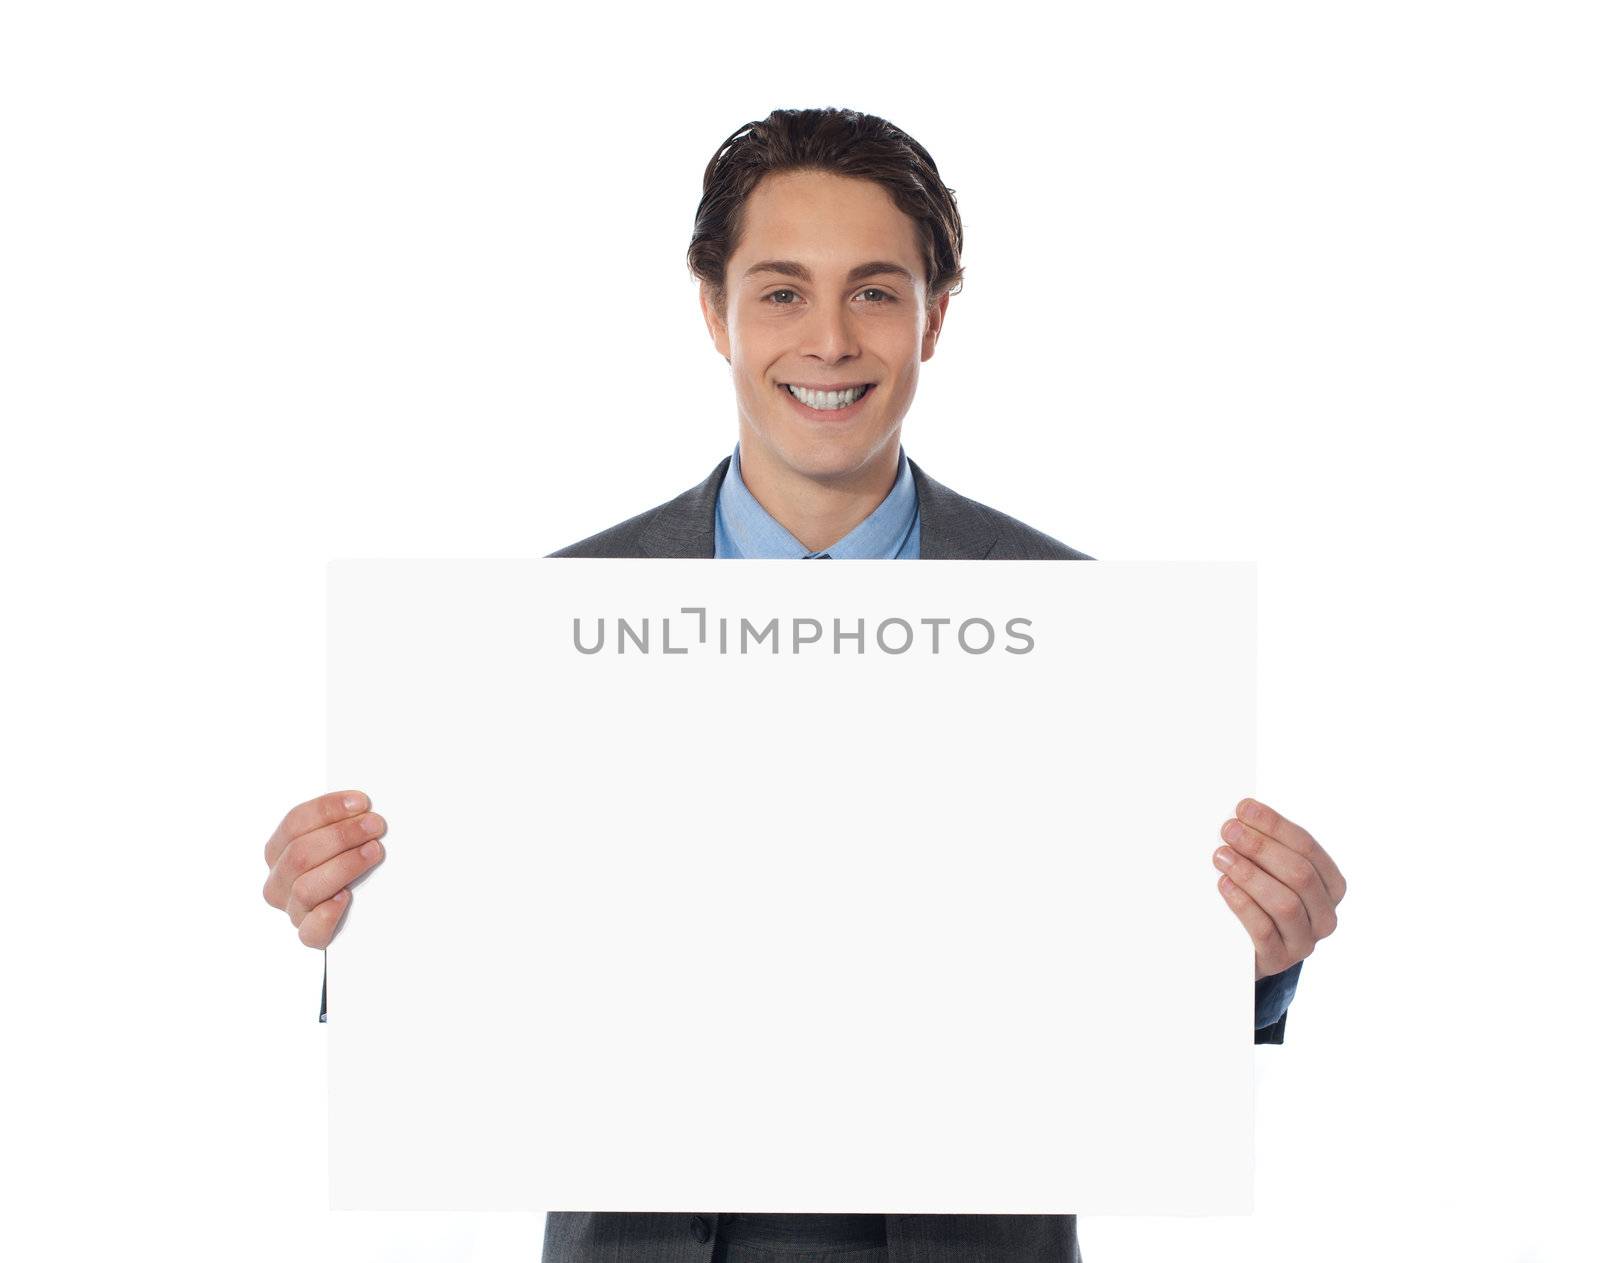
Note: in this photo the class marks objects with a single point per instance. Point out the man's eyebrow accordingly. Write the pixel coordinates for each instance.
(787, 267)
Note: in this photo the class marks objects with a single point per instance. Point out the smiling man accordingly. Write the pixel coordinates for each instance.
(825, 319)
(827, 249)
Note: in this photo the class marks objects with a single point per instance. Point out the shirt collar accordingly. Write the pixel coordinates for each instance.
(746, 529)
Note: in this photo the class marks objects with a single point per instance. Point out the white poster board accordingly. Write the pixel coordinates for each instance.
(737, 914)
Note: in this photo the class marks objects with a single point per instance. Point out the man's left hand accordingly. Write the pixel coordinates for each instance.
(1280, 883)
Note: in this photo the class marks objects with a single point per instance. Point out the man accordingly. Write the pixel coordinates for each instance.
(827, 248)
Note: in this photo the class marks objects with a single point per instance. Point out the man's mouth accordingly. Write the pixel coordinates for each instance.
(829, 400)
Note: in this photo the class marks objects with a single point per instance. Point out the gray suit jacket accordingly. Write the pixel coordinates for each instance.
(953, 528)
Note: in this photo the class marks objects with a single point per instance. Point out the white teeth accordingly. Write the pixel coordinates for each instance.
(827, 400)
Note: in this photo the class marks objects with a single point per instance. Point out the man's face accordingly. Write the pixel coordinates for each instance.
(826, 289)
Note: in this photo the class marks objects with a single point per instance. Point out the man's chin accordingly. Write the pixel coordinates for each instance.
(818, 454)
(823, 457)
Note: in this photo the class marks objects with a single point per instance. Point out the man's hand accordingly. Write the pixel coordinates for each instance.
(1280, 883)
(313, 856)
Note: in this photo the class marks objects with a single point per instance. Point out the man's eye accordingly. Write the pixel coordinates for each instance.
(777, 299)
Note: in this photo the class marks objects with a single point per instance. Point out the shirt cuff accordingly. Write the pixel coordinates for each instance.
(1273, 994)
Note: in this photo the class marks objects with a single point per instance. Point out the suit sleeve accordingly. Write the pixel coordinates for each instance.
(1273, 994)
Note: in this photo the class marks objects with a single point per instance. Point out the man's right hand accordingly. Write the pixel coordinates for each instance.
(320, 848)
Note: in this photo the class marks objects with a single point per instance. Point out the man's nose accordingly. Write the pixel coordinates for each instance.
(830, 334)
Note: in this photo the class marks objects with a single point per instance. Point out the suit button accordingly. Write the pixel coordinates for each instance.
(699, 1229)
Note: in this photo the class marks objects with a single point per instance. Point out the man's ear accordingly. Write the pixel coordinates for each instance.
(930, 335)
(715, 324)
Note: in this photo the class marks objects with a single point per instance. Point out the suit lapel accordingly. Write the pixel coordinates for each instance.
(954, 528)
(686, 526)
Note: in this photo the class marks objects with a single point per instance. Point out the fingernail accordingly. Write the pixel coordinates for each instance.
(1253, 811)
(372, 824)
(1225, 857)
(341, 896)
(1233, 830)
(354, 802)
(372, 850)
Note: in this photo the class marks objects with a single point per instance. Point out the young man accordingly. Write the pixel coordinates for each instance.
(827, 248)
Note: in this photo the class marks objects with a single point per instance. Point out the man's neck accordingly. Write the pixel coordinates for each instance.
(817, 513)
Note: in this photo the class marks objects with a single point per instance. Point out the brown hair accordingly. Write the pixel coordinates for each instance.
(844, 142)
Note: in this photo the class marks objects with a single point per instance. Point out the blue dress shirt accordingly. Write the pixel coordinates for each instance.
(892, 530)
(744, 529)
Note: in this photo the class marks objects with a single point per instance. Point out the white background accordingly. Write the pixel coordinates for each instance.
(1308, 285)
